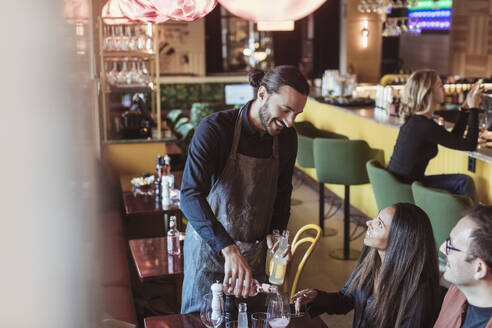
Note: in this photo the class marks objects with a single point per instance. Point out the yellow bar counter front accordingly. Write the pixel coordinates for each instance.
(380, 131)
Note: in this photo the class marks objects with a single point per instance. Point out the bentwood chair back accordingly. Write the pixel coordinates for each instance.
(306, 132)
(443, 208)
(343, 162)
(387, 189)
(298, 241)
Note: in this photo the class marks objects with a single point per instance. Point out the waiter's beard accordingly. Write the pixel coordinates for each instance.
(266, 119)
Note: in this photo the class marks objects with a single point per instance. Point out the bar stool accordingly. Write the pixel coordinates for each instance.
(443, 208)
(339, 161)
(306, 132)
(387, 189)
(173, 116)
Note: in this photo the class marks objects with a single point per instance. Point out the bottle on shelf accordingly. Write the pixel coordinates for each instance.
(279, 262)
(173, 245)
(269, 253)
(242, 316)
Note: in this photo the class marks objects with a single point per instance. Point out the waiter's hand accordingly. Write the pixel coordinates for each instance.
(236, 270)
(273, 247)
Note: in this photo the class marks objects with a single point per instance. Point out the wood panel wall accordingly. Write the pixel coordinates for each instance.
(366, 62)
(471, 38)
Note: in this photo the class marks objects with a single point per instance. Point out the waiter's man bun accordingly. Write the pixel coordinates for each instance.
(255, 77)
(278, 77)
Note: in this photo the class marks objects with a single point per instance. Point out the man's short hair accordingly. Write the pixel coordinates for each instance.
(481, 244)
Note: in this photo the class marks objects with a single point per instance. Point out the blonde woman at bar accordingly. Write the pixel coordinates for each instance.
(419, 135)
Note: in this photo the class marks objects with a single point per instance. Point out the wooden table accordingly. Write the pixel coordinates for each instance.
(153, 263)
(152, 260)
(192, 320)
(144, 216)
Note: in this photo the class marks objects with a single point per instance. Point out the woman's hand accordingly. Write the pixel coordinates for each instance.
(474, 96)
(305, 296)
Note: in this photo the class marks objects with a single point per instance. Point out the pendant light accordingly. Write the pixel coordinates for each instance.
(272, 15)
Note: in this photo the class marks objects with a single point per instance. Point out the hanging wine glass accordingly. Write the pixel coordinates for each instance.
(112, 75)
(145, 74)
(211, 318)
(133, 43)
(122, 74)
(117, 39)
(140, 38)
(132, 75)
(125, 38)
(278, 311)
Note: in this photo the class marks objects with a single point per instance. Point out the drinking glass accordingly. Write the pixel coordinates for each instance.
(259, 320)
(278, 311)
(206, 312)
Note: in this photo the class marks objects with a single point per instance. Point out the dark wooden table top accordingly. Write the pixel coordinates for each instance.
(136, 204)
(192, 320)
(152, 260)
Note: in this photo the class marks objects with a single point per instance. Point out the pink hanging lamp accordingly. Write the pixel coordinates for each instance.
(274, 14)
(156, 11)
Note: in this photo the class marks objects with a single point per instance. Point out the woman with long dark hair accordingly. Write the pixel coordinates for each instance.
(395, 282)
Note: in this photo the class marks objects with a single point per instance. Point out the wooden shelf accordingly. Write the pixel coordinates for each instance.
(123, 54)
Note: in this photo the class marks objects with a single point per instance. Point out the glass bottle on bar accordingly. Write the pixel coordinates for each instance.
(269, 252)
(173, 246)
(230, 308)
(279, 262)
(242, 316)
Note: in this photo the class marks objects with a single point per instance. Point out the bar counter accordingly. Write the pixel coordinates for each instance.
(380, 131)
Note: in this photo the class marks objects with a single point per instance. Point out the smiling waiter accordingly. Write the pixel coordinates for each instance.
(237, 185)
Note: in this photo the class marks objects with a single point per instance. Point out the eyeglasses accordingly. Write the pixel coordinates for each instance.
(449, 247)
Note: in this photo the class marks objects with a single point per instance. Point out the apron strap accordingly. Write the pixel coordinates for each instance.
(237, 135)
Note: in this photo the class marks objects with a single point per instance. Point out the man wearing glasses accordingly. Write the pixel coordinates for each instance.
(468, 302)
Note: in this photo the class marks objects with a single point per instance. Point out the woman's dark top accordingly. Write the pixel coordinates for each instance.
(418, 139)
(422, 311)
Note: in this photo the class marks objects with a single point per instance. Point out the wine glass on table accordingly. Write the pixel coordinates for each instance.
(211, 315)
(278, 311)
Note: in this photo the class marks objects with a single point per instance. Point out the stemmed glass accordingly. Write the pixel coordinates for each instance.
(211, 319)
(278, 311)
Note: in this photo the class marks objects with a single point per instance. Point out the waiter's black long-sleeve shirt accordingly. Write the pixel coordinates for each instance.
(208, 153)
(417, 143)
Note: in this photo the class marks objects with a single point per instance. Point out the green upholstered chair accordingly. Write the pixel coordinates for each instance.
(185, 134)
(181, 121)
(443, 208)
(387, 189)
(173, 116)
(339, 161)
(306, 132)
(200, 110)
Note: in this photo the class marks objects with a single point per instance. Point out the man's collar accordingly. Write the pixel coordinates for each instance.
(247, 125)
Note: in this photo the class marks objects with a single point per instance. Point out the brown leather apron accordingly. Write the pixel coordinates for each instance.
(242, 199)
